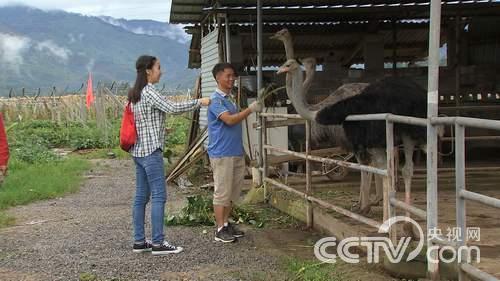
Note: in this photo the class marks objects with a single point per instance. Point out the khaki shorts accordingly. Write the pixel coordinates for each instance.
(228, 179)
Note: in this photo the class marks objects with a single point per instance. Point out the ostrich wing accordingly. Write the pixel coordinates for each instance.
(389, 95)
(344, 92)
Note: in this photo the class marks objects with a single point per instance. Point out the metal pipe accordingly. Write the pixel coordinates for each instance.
(259, 82)
(475, 138)
(476, 273)
(265, 163)
(389, 117)
(467, 122)
(327, 205)
(483, 199)
(388, 181)
(345, 212)
(309, 209)
(330, 161)
(228, 40)
(460, 186)
(280, 115)
(409, 208)
(432, 111)
(285, 187)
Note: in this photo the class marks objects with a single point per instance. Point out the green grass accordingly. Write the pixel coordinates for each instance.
(311, 270)
(26, 183)
(6, 220)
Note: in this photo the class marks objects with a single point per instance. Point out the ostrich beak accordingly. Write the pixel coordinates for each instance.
(274, 36)
(283, 69)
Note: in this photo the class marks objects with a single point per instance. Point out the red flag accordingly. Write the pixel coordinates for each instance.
(90, 95)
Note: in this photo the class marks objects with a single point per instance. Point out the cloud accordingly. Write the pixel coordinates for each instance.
(171, 31)
(54, 49)
(12, 48)
(175, 33)
(130, 9)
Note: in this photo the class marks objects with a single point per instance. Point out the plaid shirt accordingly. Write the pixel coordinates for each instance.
(149, 115)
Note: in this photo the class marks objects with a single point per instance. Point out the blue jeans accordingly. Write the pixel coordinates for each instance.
(150, 182)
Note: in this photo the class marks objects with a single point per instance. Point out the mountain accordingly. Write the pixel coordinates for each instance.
(55, 48)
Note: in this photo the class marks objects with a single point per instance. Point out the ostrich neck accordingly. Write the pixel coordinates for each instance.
(287, 41)
(310, 71)
(295, 92)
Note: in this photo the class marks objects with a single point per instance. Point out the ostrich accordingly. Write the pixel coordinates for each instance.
(331, 135)
(367, 139)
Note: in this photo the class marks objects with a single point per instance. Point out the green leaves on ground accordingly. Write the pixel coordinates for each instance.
(199, 211)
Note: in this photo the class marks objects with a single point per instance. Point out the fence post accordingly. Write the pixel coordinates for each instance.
(389, 189)
(460, 201)
(264, 172)
(309, 207)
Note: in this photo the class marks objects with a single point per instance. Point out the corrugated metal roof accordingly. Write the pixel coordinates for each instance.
(319, 40)
(194, 11)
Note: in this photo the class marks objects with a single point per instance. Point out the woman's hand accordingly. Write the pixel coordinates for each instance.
(204, 101)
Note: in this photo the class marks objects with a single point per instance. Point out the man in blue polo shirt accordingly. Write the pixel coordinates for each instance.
(225, 149)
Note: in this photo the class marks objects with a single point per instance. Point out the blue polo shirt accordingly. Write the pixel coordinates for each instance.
(223, 140)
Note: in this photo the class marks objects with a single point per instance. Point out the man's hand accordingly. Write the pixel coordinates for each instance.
(204, 101)
(255, 106)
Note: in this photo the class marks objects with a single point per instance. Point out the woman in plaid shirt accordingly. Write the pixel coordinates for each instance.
(150, 109)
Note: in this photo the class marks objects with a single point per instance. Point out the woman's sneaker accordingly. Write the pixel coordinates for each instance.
(224, 235)
(165, 248)
(235, 231)
(145, 246)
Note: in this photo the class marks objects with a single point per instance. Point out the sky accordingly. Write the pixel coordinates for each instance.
(158, 10)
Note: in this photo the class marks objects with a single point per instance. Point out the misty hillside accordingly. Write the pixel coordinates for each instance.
(45, 49)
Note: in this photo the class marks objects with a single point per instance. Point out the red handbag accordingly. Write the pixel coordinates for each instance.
(128, 134)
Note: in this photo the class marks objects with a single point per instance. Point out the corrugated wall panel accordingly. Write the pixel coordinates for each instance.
(209, 57)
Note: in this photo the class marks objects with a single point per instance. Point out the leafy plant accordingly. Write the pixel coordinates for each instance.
(199, 211)
(35, 153)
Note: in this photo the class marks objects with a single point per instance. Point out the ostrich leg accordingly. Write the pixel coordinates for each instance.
(379, 160)
(379, 189)
(407, 171)
(363, 206)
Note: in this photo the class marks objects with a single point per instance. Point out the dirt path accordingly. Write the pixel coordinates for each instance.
(87, 236)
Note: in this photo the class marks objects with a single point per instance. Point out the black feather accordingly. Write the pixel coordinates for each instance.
(399, 96)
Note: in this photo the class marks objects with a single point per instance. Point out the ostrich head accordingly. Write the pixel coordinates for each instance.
(285, 37)
(282, 35)
(289, 66)
(309, 63)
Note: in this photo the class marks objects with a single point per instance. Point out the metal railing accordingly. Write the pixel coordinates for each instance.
(389, 200)
(462, 194)
(307, 195)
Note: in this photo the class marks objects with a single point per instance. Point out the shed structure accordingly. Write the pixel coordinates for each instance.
(362, 41)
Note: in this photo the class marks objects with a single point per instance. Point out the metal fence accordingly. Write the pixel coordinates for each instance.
(390, 202)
